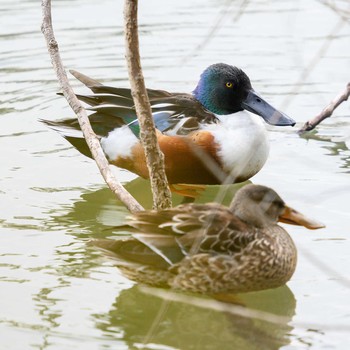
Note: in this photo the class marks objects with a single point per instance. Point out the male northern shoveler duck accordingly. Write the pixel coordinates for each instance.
(206, 136)
(209, 248)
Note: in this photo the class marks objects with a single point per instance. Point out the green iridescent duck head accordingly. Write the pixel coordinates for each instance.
(225, 89)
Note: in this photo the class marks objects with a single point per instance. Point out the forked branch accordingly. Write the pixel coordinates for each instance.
(326, 112)
(90, 137)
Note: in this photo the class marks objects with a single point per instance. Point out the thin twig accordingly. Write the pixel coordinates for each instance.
(91, 139)
(325, 268)
(225, 11)
(237, 310)
(344, 14)
(148, 136)
(327, 111)
(305, 73)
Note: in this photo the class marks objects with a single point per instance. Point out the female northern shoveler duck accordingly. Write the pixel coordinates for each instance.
(206, 136)
(209, 248)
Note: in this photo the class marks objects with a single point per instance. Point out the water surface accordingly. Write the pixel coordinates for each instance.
(57, 293)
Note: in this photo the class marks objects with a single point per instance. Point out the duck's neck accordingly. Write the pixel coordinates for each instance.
(213, 102)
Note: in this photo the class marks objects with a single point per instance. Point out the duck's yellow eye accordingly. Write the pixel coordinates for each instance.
(229, 85)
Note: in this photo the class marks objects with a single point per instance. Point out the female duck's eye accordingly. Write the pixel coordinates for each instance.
(229, 85)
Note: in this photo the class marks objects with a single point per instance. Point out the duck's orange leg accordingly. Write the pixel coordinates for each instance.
(192, 191)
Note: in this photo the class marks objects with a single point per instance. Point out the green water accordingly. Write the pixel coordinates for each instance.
(58, 293)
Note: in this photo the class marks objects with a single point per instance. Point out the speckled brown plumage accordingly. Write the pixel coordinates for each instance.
(209, 248)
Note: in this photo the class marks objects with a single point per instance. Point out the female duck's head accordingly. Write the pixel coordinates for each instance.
(224, 89)
(261, 206)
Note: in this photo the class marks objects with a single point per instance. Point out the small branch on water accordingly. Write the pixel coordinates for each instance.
(90, 137)
(326, 112)
(148, 136)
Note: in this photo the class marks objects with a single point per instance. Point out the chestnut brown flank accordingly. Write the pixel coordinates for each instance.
(186, 159)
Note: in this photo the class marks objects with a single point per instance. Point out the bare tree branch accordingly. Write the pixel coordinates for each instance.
(327, 111)
(90, 137)
(344, 14)
(224, 11)
(148, 136)
(237, 310)
(305, 73)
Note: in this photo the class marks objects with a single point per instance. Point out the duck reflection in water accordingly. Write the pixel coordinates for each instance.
(137, 315)
(147, 319)
(211, 249)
